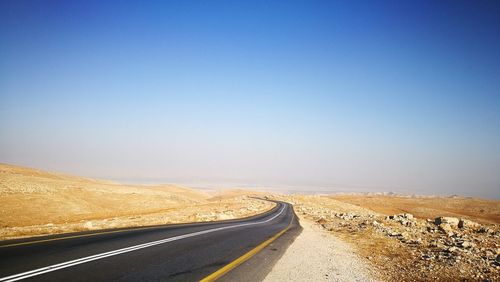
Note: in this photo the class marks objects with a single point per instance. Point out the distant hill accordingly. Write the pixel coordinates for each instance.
(30, 196)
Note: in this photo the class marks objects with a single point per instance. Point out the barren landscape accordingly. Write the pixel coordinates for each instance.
(423, 207)
(402, 247)
(34, 202)
(355, 237)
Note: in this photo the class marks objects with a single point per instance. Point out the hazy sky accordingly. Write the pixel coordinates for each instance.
(363, 95)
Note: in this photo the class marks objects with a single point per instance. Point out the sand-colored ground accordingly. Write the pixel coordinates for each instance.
(34, 202)
(400, 248)
(480, 210)
(315, 255)
(404, 248)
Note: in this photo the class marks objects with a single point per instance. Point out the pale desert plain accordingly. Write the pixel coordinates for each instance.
(345, 237)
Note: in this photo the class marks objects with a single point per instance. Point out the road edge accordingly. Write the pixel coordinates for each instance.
(248, 255)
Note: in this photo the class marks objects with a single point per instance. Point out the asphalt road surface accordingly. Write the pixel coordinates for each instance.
(182, 252)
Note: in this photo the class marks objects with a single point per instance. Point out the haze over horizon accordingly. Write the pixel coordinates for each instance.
(377, 96)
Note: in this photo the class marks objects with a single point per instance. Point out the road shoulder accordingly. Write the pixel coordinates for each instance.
(256, 268)
(316, 255)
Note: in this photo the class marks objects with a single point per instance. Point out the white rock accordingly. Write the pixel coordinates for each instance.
(451, 221)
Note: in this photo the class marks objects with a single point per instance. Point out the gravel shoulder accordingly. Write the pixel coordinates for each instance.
(402, 247)
(317, 255)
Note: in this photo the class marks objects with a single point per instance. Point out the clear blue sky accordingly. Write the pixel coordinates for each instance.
(350, 95)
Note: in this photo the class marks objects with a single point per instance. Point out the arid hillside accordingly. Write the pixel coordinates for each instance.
(480, 210)
(34, 202)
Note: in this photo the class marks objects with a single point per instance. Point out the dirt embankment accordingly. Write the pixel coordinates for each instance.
(34, 202)
(402, 247)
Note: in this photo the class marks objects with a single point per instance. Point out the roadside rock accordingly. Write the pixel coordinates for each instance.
(412, 249)
(464, 223)
(405, 219)
(466, 244)
(445, 228)
(451, 221)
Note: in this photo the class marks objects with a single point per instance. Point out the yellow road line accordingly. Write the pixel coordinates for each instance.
(76, 236)
(228, 267)
(98, 233)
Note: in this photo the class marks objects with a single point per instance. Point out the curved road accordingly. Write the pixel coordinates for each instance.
(183, 252)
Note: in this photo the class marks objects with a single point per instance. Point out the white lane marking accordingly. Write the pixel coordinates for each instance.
(58, 266)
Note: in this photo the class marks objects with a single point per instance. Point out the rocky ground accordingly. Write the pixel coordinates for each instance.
(481, 210)
(401, 247)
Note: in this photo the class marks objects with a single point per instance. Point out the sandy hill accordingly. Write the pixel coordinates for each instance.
(35, 202)
(30, 197)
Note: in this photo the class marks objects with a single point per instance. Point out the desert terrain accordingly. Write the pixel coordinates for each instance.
(423, 207)
(358, 237)
(398, 246)
(34, 202)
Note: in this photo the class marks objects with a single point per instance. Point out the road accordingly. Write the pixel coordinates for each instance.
(182, 252)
